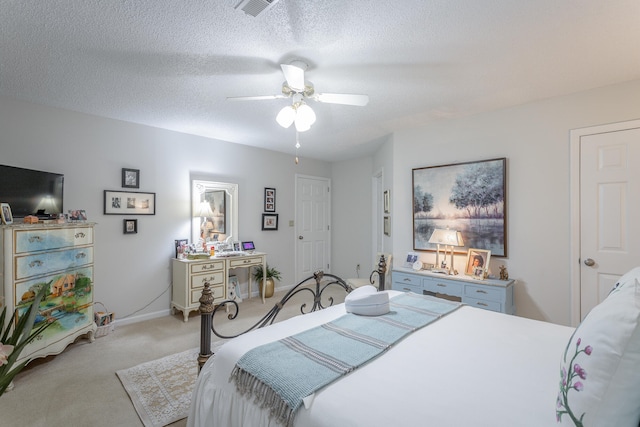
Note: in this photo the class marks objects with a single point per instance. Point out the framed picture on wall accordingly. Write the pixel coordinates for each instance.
(130, 226)
(269, 221)
(130, 178)
(129, 203)
(269, 199)
(386, 201)
(466, 197)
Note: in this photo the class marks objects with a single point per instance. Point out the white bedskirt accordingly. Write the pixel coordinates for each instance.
(471, 368)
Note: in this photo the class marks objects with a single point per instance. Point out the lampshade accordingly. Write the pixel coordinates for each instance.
(446, 237)
(286, 116)
(203, 210)
(299, 113)
(305, 114)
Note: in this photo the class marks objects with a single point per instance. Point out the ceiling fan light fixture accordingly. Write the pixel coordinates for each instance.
(306, 115)
(286, 116)
(302, 126)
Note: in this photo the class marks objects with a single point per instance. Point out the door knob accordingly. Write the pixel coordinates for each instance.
(300, 237)
(589, 262)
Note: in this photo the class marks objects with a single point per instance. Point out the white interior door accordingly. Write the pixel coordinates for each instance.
(312, 226)
(609, 204)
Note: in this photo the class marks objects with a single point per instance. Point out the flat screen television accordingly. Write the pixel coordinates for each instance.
(31, 192)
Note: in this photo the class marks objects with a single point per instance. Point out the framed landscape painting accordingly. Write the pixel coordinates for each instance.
(467, 197)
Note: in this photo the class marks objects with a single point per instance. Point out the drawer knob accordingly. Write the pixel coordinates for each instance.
(441, 285)
(406, 279)
(482, 304)
(480, 291)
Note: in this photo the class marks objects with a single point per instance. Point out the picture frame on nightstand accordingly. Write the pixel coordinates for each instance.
(410, 259)
(5, 213)
(477, 263)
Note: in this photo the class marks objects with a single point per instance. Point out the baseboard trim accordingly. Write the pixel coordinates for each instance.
(142, 317)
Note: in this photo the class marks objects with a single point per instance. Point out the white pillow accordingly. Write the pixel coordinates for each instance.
(600, 368)
(627, 277)
(367, 301)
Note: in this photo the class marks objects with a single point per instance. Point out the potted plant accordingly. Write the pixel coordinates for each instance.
(15, 336)
(271, 276)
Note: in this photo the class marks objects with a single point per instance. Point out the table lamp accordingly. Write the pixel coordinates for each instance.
(448, 238)
(203, 211)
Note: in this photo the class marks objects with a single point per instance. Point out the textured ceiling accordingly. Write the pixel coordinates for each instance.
(171, 64)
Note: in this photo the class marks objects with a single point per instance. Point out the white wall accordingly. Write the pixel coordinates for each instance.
(383, 161)
(132, 271)
(352, 205)
(535, 140)
(351, 238)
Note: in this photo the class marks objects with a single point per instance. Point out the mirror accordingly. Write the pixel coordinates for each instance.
(214, 211)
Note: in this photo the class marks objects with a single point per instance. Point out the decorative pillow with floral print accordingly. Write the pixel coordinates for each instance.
(600, 368)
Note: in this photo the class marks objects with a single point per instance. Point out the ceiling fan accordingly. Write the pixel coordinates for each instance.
(300, 91)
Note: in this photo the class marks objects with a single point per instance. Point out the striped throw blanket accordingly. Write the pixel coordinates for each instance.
(282, 373)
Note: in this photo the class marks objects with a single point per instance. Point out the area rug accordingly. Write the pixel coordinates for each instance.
(161, 390)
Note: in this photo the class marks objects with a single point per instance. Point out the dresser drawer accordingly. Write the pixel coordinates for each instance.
(203, 267)
(484, 293)
(46, 262)
(214, 278)
(407, 283)
(439, 286)
(216, 291)
(47, 239)
(486, 304)
(244, 261)
(74, 284)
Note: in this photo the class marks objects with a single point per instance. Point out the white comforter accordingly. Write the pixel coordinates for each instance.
(471, 368)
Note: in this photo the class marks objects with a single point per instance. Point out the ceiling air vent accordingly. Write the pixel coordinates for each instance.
(255, 7)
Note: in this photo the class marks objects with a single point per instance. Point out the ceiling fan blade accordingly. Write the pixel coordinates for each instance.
(294, 76)
(254, 98)
(343, 98)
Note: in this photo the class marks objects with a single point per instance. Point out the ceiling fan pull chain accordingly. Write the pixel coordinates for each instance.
(297, 145)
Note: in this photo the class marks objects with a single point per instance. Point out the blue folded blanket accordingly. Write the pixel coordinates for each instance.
(282, 373)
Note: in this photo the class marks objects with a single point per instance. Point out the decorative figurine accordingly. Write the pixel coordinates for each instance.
(504, 274)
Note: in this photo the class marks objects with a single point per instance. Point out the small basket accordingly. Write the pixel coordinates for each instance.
(104, 321)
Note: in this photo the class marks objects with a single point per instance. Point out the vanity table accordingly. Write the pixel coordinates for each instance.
(489, 294)
(189, 277)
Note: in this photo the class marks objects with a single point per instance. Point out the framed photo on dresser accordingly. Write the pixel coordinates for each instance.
(5, 213)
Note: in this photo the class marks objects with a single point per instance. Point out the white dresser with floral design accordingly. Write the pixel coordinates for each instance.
(59, 257)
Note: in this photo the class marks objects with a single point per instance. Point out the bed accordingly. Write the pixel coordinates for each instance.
(468, 367)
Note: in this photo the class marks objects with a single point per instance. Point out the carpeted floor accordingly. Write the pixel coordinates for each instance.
(79, 386)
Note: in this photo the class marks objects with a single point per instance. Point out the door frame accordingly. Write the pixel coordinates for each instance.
(295, 215)
(377, 214)
(575, 136)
